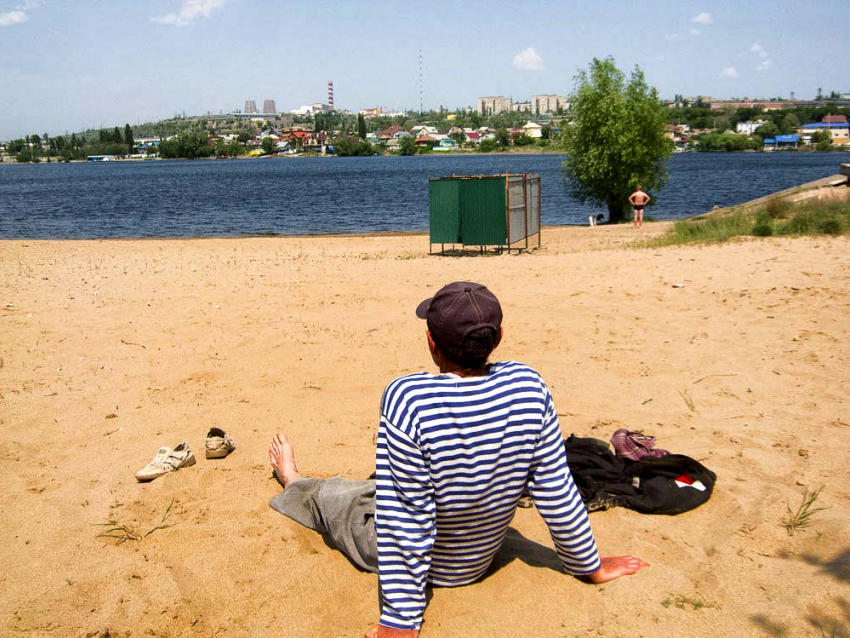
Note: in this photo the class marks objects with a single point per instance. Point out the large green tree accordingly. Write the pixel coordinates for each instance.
(361, 126)
(616, 139)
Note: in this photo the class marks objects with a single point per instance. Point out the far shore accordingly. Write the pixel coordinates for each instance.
(470, 152)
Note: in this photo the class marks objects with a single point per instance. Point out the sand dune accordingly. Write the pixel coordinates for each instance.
(109, 349)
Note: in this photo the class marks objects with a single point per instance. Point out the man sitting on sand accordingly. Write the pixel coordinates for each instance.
(456, 451)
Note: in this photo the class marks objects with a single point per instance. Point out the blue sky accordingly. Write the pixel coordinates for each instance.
(65, 66)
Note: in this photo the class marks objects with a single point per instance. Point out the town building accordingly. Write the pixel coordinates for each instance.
(311, 109)
(766, 105)
(533, 130)
(782, 141)
(522, 106)
(840, 131)
(494, 105)
(375, 112)
(548, 104)
(748, 128)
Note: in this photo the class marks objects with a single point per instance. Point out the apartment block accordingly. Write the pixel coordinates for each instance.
(548, 103)
(494, 105)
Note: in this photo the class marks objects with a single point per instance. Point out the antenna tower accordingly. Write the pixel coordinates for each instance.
(420, 82)
(331, 95)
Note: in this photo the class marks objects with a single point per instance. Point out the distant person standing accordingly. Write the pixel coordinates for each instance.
(638, 200)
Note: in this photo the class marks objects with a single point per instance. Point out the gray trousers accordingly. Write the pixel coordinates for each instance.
(343, 510)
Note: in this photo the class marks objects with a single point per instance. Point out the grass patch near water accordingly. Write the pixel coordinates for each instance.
(777, 219)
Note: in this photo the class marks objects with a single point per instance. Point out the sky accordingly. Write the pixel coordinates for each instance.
(66, 66)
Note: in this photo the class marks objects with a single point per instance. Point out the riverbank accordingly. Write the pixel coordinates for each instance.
(113, 348)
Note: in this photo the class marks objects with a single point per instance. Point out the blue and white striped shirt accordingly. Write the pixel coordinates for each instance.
(454, 456)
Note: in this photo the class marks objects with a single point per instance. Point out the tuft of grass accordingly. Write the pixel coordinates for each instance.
(122, 532)
(802, 518)
(833, 634)
(776, 219)
(777, 208)
(680, 601)
(118, 532)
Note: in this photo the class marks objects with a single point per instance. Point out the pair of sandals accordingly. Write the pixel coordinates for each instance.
(216, 446)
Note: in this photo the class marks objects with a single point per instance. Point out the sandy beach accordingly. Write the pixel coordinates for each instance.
(109, 349)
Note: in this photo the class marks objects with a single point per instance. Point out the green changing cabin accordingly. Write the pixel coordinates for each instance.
(485, 210)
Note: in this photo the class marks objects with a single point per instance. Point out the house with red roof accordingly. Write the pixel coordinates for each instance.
(390, 132)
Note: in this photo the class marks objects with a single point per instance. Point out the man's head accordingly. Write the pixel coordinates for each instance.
(464, 321)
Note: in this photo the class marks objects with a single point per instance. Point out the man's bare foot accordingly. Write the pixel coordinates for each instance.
(282, 458)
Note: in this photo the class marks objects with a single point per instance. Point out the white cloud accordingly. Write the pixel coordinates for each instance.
(764, 59)
(729, 72)
(12, 17)
(19, 14)
(528, 60)
(703, 18)
(190, 11)
(695, 31)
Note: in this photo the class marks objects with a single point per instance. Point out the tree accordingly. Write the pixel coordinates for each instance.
(268, 144)
(822, 140)
(186, 145)
(128, 139)
(459, 137)
(361, 126)
(502, 137)
(617, 138)
(488, 146)
(347, 147)
(407, 146)
(767, 130)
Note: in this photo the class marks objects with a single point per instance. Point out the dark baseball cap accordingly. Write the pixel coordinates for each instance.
(459, 308)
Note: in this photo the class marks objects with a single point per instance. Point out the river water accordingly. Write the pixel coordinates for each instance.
(296, 196)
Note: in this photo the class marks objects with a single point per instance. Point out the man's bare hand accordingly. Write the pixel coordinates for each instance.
(616, 566)
(379, 631)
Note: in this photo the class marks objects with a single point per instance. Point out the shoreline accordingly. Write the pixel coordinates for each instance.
(470, 153)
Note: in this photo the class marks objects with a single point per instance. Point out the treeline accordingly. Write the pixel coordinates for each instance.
(196, 145)
(719, 120)
(61, 148)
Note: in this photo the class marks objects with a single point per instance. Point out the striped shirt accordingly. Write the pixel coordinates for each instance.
(454, 456)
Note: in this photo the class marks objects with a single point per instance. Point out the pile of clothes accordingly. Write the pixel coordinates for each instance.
(636, 475)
